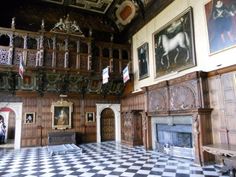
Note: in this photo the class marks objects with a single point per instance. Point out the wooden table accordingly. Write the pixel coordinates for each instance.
(221, 149)
(228, 154)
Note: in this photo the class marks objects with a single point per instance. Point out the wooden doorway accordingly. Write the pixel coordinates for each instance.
(107, 125)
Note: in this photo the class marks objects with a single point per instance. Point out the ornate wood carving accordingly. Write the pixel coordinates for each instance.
(178, 95)
(186, 95)
(132, 128)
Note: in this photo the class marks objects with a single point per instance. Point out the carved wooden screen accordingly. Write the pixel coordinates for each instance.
(107, 125)
(138, 129)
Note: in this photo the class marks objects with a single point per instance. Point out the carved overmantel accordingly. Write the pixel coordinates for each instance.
(186, 95)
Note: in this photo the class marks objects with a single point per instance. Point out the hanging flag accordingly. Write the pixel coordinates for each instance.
(126, 74)
(105, 75)
(21, 67)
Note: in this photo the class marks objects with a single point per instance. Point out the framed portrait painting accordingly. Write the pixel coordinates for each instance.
(61, 114)
(90, 117)
(143, 58)
(174, 45)
(221, 26)
(29, 118)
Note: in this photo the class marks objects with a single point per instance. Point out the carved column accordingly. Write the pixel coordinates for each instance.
(25, 50)
(100, 59)
(120, 61)
(89, 56)
(40, 52)
(145, 126)
(10, 51)
(41, 56)
(111, 59)
(196, 132)
(66, 58)
(78, 55)
(54, 52)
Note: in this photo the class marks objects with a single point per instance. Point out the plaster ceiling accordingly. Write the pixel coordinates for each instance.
(99, 6)
(105, 17)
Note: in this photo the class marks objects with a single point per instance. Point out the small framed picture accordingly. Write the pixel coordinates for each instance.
(29, 118)
(90, 117)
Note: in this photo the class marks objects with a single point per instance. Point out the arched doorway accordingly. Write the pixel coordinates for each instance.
(107, 125)
(9, 123)
(117, 128)
(12, 114)
(10, 138)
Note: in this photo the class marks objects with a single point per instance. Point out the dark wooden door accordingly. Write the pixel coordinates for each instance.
(107, 125)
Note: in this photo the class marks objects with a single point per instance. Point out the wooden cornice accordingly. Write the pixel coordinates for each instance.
(222, 71)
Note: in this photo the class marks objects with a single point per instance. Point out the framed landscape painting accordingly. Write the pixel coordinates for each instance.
(221, 26)
(174, 45)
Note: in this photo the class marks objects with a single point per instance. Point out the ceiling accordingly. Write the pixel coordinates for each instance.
(120, 18)
(99, 6)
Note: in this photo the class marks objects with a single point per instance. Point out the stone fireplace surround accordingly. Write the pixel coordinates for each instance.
(183, 96)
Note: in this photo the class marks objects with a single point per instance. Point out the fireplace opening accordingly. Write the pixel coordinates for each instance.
(175, 139)
(175, 135)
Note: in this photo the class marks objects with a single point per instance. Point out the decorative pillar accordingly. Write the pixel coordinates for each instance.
(13, 23)
(78, 55)
(66, 58)
(40, 52)
(10, 51)
(120, 61)
(25, 51)
(111, 59)
(100, 59)
(89, 56)
(144, 128)
(54, 51)
(41, 56)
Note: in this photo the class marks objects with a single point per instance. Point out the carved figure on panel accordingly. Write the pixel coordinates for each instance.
(181, 98)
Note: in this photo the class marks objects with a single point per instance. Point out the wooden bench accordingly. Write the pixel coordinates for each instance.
(227, 153)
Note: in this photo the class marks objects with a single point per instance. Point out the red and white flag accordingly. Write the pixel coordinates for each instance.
(126, 74)
(105, 75)
(21, 67)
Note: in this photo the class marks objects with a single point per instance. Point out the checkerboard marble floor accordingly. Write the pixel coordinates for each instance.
(108, 159)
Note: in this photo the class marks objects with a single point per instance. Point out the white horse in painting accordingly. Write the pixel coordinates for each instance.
(181, 39)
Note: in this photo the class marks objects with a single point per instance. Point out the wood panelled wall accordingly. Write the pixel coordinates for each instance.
(222, 89)
(135, 101)
(37, 134)
(132, 109)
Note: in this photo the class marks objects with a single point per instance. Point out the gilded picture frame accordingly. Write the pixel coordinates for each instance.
(174, 45)
(61, 114)
(29, 118)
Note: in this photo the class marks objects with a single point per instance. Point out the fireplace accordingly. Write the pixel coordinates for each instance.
(173, 135)
(181, 101)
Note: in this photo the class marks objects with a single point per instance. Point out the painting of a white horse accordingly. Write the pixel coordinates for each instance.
(181, 39)
(174, 45)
